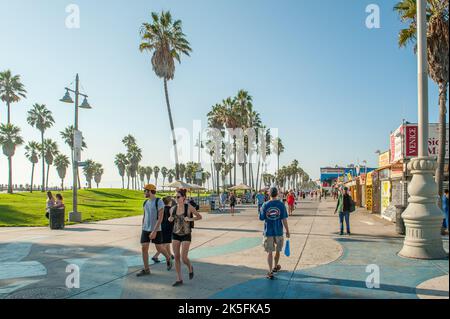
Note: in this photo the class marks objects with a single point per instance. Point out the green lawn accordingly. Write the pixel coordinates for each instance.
(26, 209)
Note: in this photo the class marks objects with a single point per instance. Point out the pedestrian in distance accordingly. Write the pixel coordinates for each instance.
(445, 210)
(233, 201)
(343, 207)
(260, 199)
(291, 202)
(182, 216)
(59, 204)
(274, 215)
(49, 204)
(151, 228)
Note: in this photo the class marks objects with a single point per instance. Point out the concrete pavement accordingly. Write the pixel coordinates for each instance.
(228, 259)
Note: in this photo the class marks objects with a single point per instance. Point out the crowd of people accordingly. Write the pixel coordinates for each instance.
(168, 222)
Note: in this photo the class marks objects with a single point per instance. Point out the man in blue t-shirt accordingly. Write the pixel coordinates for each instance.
(274, 215)
(260, 200)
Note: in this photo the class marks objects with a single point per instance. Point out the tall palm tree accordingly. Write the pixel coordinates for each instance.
(165, 40)
(134, 157)
(181, 172)
(67, 136)
(278, 148)
(164, 172)
(148, 173)
(141, 171)
(156, 173)
(51, 150)
(41, 118)
(438, 59)
(61, 162)
(89, 171)
(9, 140)
(171, 175)
(128, 171)
(121, 161)
(98, 173)
(128, 141)
(32, 150)
(11, 90)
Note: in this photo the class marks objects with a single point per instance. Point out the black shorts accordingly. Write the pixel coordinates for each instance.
(187, 237)
(145, 238)
(166, 237)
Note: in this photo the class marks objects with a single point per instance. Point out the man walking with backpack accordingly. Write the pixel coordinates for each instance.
(151, 228)
(274, 215)
(345, 206)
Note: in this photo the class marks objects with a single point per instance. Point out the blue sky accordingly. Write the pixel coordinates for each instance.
(334, 88)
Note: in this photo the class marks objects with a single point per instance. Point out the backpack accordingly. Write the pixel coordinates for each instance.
(186, 208)
(352, 205)
(157, 201)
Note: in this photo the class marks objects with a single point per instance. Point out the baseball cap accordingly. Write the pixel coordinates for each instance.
(150, 187)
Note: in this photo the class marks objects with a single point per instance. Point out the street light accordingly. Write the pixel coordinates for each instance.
(74, 215)
(422, 216)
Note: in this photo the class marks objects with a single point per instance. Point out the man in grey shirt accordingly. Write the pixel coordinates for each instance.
(151, 228)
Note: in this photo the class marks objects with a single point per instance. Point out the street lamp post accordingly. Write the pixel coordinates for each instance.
(75, 215)
(422, 216)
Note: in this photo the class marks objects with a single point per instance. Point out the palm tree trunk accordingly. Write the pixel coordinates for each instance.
(442, 139)
(9, 112)
(123, 182)
(128, 182)
(10, 188)
(62, 184)
(218, 181)
(48, 171)
(257, 174)
(43, 162)
(235, 159)
(172, 128)
(32, 175)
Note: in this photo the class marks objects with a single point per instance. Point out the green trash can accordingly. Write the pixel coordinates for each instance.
(57, 217)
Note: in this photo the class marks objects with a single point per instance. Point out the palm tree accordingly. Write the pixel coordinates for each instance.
(89, 171)
(51, 150)
(278, 148)
(156, 173)
(41, 118)
(32, 150)
(61, 162)
(165, 40)
(141, 171)
(67, 136)
(128, 141)
(171, 175)
(9, 140)
(128, 171)
(134, 157)
(438, 59)
(164, 172)
(121, 162)
(98, 173)
(181, 172)
(148, 173)
(11, 90)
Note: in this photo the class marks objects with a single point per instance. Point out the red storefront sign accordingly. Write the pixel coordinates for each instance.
(411, 141)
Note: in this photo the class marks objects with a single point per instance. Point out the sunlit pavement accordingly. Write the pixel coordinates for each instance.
(228, 259)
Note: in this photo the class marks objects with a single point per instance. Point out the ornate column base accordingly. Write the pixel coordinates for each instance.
(423, 218)
(75, 217)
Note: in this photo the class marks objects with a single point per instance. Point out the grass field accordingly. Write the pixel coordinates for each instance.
(28, 209)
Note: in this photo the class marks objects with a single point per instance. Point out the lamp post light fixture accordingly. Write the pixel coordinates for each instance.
(75, 215)
(422, 216)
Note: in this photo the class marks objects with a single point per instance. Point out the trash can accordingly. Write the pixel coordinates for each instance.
(57, 218)
(213, 205)
(399, 223)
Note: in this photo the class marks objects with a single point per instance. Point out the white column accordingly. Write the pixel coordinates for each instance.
(422, 217)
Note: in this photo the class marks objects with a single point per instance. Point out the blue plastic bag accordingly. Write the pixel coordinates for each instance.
(287, 248)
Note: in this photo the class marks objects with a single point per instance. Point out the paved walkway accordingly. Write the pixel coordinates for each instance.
(228, 259)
